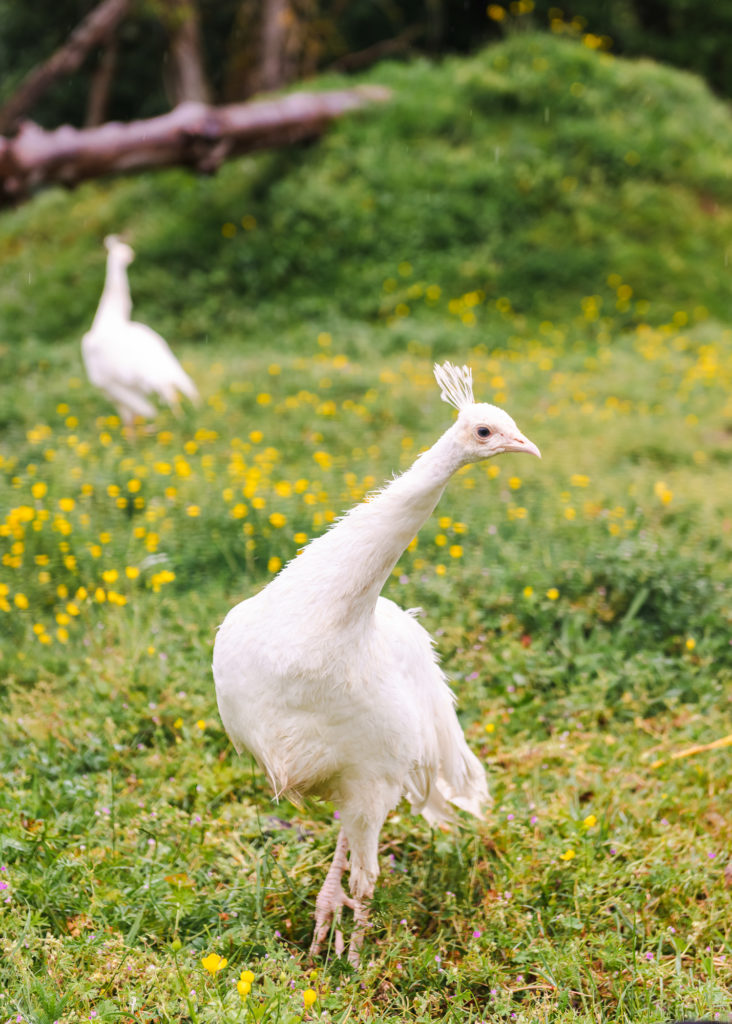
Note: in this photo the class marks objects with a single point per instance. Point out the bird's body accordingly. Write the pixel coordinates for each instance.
(127, 360)
(337, 691)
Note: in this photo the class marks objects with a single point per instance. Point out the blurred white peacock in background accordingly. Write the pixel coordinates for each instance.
(336, 691)
(127, 360)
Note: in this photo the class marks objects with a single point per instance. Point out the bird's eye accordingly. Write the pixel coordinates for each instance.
(483, 432)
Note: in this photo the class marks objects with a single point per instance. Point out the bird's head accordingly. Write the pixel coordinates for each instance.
(482, 430)
(121, 250)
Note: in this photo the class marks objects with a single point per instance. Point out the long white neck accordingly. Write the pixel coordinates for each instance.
(115, 300)
(348, 566)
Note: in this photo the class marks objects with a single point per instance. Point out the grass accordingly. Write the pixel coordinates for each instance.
(581, 606)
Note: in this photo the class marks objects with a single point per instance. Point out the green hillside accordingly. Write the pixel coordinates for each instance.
(531, 172)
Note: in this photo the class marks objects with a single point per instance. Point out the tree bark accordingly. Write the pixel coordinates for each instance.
(101, 86)
(272, 63)
(187, 80)
(98, 26)
(194, 135)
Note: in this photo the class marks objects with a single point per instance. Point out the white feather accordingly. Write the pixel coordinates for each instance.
(127, 360)
(335, 690)
(456, 383)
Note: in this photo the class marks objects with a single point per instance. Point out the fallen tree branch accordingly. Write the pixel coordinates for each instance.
(193, 134)
(96, 28)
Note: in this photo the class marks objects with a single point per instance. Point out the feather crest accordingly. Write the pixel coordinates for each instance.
(456, 384)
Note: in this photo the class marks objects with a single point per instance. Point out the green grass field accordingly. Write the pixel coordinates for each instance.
(581, 606)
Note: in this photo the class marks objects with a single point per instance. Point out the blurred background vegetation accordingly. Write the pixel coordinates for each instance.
(312, 36)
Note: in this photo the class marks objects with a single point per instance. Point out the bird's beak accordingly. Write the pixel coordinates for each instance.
(519, 443)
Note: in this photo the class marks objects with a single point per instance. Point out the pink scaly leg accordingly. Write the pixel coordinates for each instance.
(331, 900)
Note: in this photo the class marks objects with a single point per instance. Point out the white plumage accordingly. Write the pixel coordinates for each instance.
(127, 360)
(337, 691)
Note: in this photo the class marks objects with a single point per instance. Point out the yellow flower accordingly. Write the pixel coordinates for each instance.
(247, 977)
(456, 551)
(552, 593)
(193, 511)
(132, 572)
(214, 963)
(663, 492)
(277, 519)
(38, 489)
(243, 988)
(490, 727)
(110, 575)
(66, 504)
(256, 436)
(274, 564)
(309, 996)
(440, 540)
(200, 724)
(528, 591)
(589, 821)
(300, 538)
(567, 855)
(21, 600)
(514, 482)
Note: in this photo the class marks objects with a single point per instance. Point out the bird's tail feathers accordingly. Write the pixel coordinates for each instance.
(435, 797)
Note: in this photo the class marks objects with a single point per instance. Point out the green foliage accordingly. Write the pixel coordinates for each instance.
(580, 604)
(532, 171)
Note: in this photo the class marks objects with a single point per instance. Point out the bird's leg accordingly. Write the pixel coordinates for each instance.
(363, 836)
(361, 908)
(331, 899)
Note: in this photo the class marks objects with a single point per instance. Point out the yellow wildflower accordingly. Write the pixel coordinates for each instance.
(567, 855)
(214, 963)
(552, 593)
(309, 996)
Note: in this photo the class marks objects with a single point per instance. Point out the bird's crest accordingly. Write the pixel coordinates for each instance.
(456, 384)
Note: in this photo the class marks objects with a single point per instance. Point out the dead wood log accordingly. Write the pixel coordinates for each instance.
(193, 135)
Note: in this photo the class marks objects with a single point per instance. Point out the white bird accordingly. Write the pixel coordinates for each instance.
(128, 360)
(336, 691)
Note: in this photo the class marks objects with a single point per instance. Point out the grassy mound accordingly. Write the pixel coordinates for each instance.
(532, 172)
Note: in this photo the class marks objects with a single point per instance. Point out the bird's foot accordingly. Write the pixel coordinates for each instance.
(328, 907)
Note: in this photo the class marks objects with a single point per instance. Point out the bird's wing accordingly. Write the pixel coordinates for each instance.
(131, 357)
(445, 771)
(155, 367)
